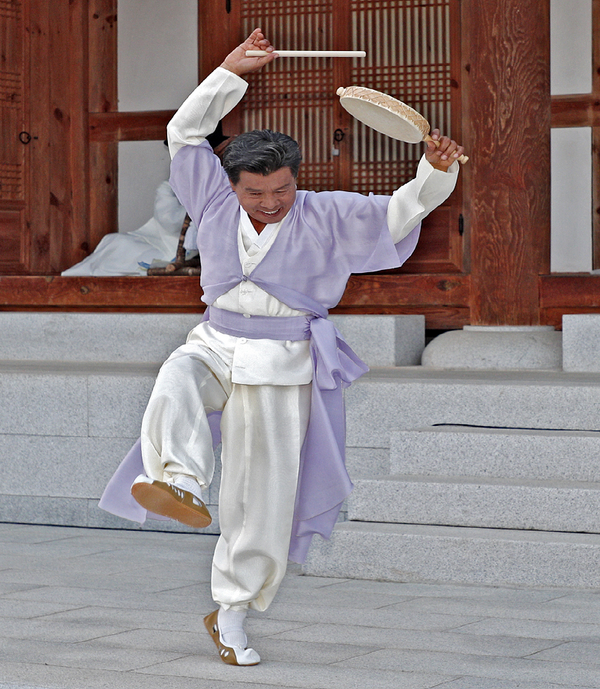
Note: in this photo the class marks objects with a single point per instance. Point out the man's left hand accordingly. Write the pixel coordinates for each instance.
(448, 152)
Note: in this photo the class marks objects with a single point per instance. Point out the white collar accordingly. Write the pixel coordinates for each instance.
(259, 239)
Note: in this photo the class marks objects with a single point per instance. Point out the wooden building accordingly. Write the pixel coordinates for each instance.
(479, 68)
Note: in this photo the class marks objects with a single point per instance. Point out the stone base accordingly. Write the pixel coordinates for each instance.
(508, 348)
(581, 337)
(436, 554)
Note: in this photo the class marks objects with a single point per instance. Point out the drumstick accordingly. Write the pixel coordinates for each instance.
(308, 53)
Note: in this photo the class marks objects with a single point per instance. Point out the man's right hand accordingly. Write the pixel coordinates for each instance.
(239, 64)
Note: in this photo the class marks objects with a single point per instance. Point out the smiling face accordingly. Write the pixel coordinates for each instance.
(266, 198)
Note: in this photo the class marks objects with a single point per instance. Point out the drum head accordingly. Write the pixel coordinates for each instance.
(384, 113)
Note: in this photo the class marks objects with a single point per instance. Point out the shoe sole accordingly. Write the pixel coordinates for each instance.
(226, 654)
(158, 497)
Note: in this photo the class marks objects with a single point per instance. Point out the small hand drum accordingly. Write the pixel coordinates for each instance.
(387, 115)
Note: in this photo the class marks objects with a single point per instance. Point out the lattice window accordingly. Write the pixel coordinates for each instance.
(408, 57)
(11, 100)
(297, 92)
(11, 182)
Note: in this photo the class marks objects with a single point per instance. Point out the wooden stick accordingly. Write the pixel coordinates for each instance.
(308, 53)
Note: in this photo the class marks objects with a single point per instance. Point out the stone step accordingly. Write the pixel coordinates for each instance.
(428, 554)
(495, 452)
(380, 340)
(387, 400)
(477, 502)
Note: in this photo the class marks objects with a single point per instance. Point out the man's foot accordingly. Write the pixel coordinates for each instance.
(232, 655)
(173, 501)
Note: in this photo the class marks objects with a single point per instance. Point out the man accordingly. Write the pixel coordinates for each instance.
(265, 358)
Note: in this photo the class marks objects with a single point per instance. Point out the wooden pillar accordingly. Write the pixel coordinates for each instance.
(103, 98)
(506, 76)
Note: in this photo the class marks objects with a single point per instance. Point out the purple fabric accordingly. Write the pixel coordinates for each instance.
(117, 498)
(259, 327)
(325, 237)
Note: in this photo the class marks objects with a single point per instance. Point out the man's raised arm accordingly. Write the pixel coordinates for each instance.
(217, 95)
(435, 181)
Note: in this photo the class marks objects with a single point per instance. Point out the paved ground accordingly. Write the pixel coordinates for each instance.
(91, 609)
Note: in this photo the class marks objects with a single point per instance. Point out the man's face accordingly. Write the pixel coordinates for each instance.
(266, 198)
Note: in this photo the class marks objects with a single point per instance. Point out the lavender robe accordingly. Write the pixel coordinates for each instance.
(325, 237)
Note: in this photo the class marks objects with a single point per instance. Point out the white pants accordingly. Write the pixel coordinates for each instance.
(263, 428)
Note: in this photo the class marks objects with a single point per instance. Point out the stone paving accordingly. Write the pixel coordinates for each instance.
(91, 609)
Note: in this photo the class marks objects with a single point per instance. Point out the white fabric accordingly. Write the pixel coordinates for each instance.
(253, 241)
(259, 463)
(231, 627)
(121, 253)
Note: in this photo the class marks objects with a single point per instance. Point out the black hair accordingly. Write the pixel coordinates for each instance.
(261, 151)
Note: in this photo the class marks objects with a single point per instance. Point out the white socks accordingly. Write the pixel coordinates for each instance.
(231, 627)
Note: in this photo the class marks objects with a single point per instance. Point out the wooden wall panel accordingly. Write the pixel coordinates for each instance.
(14, 250)
(55, 210)
(59, 119)
(77, 243)
(40, 80)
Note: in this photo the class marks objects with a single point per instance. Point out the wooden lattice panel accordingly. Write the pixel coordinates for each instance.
(295, 95)
(11, 9)
(11, 90)
(11, 181)
(379, 176)
(11, 100)
(408, 57)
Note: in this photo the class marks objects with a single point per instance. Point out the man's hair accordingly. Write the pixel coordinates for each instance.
(262, 152)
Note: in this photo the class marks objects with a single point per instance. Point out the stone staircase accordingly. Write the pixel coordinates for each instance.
(483, 475)
(492, 477)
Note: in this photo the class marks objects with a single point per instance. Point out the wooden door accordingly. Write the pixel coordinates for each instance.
(43, 148)
(412, 53)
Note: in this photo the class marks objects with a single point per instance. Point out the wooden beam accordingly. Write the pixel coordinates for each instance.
(129, 126)
(581, 110)
(560, 294)
(443, 299)
(566, 291)
(407, 290)
(112, 293)
(507, 81)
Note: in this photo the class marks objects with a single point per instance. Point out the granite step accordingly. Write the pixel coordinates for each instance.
(564, 506)
(388, 400)
(427, 554)
(496, 453)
